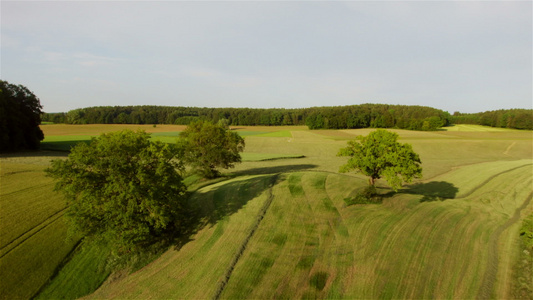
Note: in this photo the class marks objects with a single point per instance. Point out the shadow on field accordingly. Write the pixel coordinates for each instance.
(36, 153)
(275, 169)
(61, 145)
(433, 191)
(208, 208)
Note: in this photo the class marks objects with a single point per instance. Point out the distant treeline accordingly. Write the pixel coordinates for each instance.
(504, 118)
(333, 117)
(339, 117)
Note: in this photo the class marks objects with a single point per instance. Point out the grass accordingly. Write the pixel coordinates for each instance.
(523, 268)
(32, 232)
(223, 227)
(62, 137)
(310, 245)
(452, 234)
(475, 128)
(81, 275)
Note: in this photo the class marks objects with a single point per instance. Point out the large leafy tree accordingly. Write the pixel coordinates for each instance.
(123, 188)
(206, 147)
(380, 155)
(20, 116)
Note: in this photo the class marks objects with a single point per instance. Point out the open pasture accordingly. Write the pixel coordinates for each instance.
(308, 244)
(279, 228)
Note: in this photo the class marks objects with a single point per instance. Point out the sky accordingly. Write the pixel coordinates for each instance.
(467, 56)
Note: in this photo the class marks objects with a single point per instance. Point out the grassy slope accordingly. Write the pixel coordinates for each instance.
(310, 245)
(441, 152)
(81, 275)
(413, 246)
(228, 211)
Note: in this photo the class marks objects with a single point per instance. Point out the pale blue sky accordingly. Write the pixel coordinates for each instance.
(466, 56)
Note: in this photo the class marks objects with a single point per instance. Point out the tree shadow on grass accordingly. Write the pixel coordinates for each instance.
(208, 207)
(275, 169)
(433, 191)
(65, 146)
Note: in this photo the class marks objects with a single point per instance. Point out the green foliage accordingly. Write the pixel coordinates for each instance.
(526, 232)
(54, 118)
(504, 118)
(338, 117)
(123, 188)
(380, 155)
(522, 287)
(206, 147)
(20, 116)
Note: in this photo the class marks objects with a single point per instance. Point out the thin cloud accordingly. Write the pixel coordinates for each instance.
(454, 55)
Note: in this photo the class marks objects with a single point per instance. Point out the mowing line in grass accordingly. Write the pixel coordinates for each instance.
(242, 248)
(489, 277)
(22, 238)
(489, 179)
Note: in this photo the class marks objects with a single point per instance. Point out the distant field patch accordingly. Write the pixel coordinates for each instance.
(66, 142)
(166, 134)
(475, 128)
(250, 133)
(97, 129)
(281, 133)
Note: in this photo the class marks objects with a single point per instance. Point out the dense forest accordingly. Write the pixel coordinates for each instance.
(504, 118)
(339, 117)
(332, 117)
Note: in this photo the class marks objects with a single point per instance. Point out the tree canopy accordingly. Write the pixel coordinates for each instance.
(503, 118)
(123, 188)
(327, 117)
(380, 155)
(20, 116)
(206, 147)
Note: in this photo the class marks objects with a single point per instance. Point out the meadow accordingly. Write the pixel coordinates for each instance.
(277, 226)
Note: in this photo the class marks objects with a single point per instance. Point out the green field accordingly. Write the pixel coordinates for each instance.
(279, 228)
(32, 232)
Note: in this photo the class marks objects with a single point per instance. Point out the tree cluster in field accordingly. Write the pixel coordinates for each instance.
(20, 116)
(337, 117)
(503, 118)
(127, 190)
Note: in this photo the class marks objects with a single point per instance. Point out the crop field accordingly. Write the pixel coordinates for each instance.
(279, 227)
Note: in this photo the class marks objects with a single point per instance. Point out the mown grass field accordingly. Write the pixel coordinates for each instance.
(279, 228)
(32, 231)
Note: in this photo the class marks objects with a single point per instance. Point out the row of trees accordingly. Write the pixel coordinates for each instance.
(504, 118)
(339, 117)
(377, 116)
(334, 117)
(20, 116)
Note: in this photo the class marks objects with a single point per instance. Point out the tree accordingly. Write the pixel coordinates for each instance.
(380, 155)
(20, 116)
(123, 188)
(206, 147)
